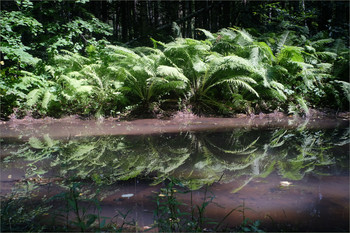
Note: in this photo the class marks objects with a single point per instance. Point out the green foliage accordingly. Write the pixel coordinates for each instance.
(231, 71)
(76, 35)
(210, 73)
(146, 75)
(18, 217)
(13, 25)
(169, 216)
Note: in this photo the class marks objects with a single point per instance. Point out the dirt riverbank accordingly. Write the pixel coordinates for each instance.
(75, 126)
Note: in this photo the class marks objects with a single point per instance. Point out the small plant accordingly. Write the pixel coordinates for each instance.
(247, 224)
(83, 221)
(19, 213)
(170, 214)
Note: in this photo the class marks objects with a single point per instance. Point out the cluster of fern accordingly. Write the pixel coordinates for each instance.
(226, 72)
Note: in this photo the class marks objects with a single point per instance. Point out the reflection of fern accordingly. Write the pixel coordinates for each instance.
(196, 159)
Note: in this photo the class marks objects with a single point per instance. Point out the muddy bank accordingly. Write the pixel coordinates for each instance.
(74, 126)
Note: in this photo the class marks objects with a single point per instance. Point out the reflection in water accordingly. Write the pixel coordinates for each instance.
(239, 165)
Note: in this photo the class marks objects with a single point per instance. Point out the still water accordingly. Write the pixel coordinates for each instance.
(291, 176)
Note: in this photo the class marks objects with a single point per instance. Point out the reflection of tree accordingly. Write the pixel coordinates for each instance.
(194, 158)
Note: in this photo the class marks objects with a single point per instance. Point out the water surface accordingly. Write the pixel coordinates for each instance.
(235, 161)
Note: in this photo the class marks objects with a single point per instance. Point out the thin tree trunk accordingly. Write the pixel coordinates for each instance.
(124, 22)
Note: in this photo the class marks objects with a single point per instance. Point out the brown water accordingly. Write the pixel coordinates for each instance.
(239, 161)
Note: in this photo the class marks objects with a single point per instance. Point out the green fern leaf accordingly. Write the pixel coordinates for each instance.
(254, 56)
(282, 40)
(171, 72)
(48, 96)
(122, 50)
(244, 37)
(327, 55)
(33, 96)
(239, 81)
(267, 52)
(303, 104)
(84, 89)
(290, 53)
(199, 66)
(278, 87)
(208, 34)
(320, 43)
(346, 88)
(238, 63)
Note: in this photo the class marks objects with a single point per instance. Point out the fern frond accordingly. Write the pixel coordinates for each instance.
(33, 96)
(75, 74)
(254, 56)
(242, 151)
(338, 46)
(76, 85)
(199, 66)
(227, 34)
(208, 34)
(48, 97)
(320, 43)
(155, 42)
(346, 88)
(278, 88)
(89, 71)
(84, 89)
(303, 104)
(238, 63)
(171, 72)
(327, 55)
(266, 51)
(290, 53)
(122, 51)
(282, 40)
(244, 37)
(324, 67)
(292, 109)
(238, 81)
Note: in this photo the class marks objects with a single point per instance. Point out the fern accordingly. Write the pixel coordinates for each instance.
(48, 97)
(278, 88)
(282, 41)
(321, 43)
(33, 97)
(171, 72)
(238, 82)
(207, 33)
(302, 106)
(346, 88)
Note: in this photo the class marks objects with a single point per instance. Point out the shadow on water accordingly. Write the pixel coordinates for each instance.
(291, 178)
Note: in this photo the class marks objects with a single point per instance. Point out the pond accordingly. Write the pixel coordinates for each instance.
(185, 174)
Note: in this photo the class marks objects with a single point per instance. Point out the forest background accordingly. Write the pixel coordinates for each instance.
(107, 58)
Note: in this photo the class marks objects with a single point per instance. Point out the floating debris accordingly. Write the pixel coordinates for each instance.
(285, 183)
(128, 195)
